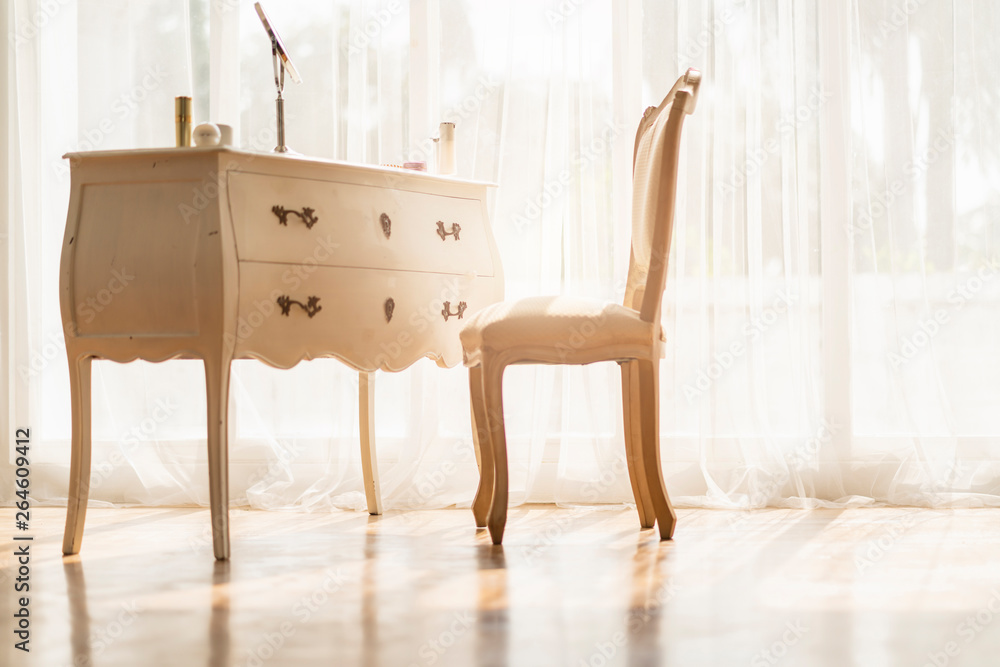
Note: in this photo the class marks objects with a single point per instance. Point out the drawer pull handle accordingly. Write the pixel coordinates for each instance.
(386, 224)
(446, 311)
(455, 229)
(311, 306)
(306, 216)
(389, 306)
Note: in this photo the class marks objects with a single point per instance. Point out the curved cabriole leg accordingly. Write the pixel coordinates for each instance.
(484, 452)
(369, 459)
(217, 386)
(79, 467)
(649, 407)
(493, 402)
(633, 443)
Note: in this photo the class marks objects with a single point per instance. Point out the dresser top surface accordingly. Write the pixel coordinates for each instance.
(258, 156)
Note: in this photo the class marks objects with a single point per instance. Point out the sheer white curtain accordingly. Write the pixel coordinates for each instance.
(743, 379)
(82, 76)
(744, 417)
(546, 96)
(765, 287)
(924, 252)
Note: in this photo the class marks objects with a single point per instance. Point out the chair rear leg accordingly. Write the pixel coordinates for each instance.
(493, 418)
(649, 400)
(79, 467)
(484, 452)
(632, 418)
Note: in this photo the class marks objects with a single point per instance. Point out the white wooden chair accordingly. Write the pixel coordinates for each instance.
(545, 330)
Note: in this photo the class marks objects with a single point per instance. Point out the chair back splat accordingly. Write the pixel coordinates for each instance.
(654, 185)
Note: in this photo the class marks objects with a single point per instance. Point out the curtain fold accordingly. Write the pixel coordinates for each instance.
(546, 97)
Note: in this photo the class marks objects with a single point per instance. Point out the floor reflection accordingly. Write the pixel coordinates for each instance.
(369, 595)
(428, 589)
(651, 591)
(219, 633)
(79, 616)
(492, 619)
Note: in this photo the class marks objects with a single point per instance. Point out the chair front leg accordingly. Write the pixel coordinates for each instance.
(649, 406)
(632, 418)
(493, 402)
(484, 452)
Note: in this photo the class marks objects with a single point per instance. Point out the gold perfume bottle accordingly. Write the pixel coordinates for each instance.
(182, 118)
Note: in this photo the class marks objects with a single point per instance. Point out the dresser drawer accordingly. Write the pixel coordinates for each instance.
(295, 221)
(369, 318)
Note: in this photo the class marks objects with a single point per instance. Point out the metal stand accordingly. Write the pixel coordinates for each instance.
(279, 103)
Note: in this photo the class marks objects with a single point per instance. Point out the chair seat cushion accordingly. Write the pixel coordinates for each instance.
(558, 327)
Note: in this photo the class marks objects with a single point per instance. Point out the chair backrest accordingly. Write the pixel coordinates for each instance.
(654, 186)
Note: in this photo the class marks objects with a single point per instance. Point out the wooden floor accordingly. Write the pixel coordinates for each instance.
(569, 587)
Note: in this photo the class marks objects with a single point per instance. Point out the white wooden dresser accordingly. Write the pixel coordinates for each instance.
(218, 254)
